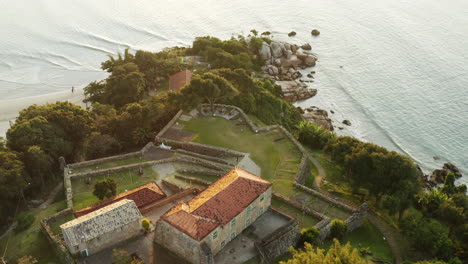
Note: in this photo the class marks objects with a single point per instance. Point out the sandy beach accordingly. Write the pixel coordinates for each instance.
(9, 109)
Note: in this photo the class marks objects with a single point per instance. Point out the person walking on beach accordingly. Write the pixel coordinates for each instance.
(73, 89)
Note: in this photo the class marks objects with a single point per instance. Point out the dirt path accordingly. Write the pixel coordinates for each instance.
(391, 240)
(51, 196)
(321, 171)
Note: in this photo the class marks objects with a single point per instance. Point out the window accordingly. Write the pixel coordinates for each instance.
(84, 253)
(247, 223)
(223, 244)
(233, 223)
(262, 198)
(215, 234)
(260, 211)
(233, 235)
(249, 209)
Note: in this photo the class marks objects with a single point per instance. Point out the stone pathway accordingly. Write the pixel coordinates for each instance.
(51, 196)
(321, 171)
(391, 240)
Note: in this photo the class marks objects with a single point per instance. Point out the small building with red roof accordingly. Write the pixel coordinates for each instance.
(178, 80)
(142, 196)
(198, 229)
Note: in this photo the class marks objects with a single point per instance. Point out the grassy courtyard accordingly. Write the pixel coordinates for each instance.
(31, 241)
(303, 219)
(277, 156)
(110, 164)
(126, 180)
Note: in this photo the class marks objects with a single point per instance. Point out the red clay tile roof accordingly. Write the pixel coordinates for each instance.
(218, 204)
(178, 80)
(143, 195)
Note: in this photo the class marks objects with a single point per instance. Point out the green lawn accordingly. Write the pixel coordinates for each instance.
(31, 241)
(278, 160)
(367, 236)
(55, 226)
(110, 164)
(126, 180)
(304, 220)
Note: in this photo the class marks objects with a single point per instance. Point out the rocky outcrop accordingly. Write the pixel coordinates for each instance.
(292, 34)
(347, 122)
(306, 46)
(318, 116)
(295, 91)
(453, 169)
(315, 32)
(438, 176)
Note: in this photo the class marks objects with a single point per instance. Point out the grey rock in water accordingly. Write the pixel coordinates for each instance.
(306, 46)
(315, 32)
(347, 122)
(453, 169)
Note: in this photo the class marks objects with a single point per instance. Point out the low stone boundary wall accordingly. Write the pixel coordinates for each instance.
(218, 160)
(241, 112)
(280, 241)
(300, 207)
(170, 199)
(99, 161)
(171, 186)
(173, 120)
(303, 170)
(327, 198)
(199, 148)
(57, 244)
(194, 180)
(203, 172)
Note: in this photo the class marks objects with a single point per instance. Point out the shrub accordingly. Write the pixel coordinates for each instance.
(105, 189)
(338, 229)
(25, 220)
(145, 223)
(309, 235)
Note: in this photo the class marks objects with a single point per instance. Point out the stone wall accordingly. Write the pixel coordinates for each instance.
(231, 107)
(102, 160)
(303, 170)
(54, 240)
(203, 172)
(173, 120)
(278, 243)
(199, 148)
(173, 187)
(193, 180)
(327, 197)
(211, 158)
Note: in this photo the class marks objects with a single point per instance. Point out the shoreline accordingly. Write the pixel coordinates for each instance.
(9, 109)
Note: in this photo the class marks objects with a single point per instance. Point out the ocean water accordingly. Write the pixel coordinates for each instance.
(397, 69)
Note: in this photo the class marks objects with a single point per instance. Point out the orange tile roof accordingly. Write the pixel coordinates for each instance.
(218, 204)
(143, 195)
(178, 80)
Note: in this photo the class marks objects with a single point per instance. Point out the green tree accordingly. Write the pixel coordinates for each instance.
(125, 85)
(100, 145)
(40, 165)
(209, 88)
(336, 254)
(308, 235)
(338, 229)
(105, 189)
(427, 235)
(12, 176)
(313, 135)
(431, 200)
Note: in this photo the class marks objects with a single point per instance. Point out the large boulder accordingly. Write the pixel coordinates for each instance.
(315, 32)
(310, 61)
(294, 90)
(306, 46)
(438, 176)
(277, 49)
(318, 117)
(292, 61)
(265, 51)
(453, 169)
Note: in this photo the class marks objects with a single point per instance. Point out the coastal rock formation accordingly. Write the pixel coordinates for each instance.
(347, 122)
(438, 175)
(318, 116)
(295, 91)
(292, 33)
(315, 32)
(281, 63)
(453, 169)
(306, 46)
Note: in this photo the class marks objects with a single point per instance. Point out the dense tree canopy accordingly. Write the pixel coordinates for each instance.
(337, 253)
